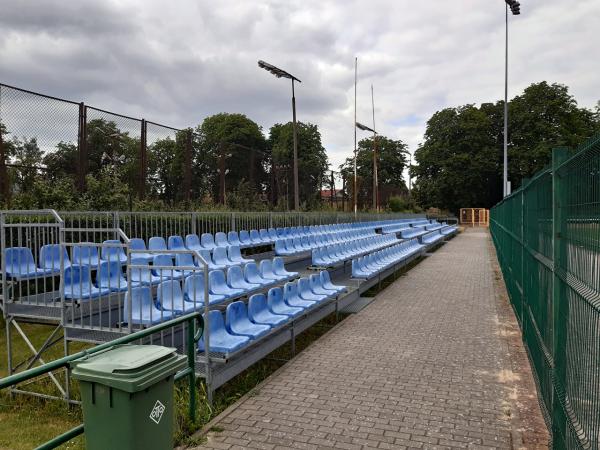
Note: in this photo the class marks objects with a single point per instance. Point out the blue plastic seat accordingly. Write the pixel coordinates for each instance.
(245, 238)
(305, 292)
(218, 285)
(233, 238)
(234, 254)
(264, 235)
(235, 279)
(280, 248)
(317, 287)
(277, 305)
(169, 297)
(142, 275)
(143, 309)
(176, 243)
(211, 264)
(158, 243)
(161, 267)
(221, 341)
(238, 323)
(207, 241)
(112, 250)
(221, 240)
(327, 284)
(272, 234)
(258, 312)
(266, 271)
(77, 284)
(21, 265)
(185, 260)
(358, 271)
(192, 242)
(219, 255)
(85, 254)
(291, 297)
(193, 289)
(279, 268)
(252, 275)
(139, 245)
(110, 276)
(50, 258)
(255, 238)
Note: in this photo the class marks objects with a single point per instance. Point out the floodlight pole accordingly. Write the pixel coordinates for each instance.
(355, 150)
(375, 181)
(296, 189)
(505, 156)
(515, 8)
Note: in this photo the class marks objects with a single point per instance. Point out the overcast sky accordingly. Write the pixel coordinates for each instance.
(177, 62)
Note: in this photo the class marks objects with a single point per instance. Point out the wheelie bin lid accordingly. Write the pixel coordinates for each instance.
(130, 368)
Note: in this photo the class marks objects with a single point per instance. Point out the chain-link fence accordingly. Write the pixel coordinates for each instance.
(52, 138)
(547, 236)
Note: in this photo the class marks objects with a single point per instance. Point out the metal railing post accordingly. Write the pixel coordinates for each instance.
(560, 303)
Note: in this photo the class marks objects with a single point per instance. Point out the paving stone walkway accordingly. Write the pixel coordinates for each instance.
(435, 361)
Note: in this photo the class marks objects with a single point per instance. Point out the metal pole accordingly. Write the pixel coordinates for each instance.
(82, 148)
(409, 173)
(355, 150)
(332, 190)
(375, 183)
(143, 161)
(222, 173)
(505, 160)
(187, 171)
(296, 192)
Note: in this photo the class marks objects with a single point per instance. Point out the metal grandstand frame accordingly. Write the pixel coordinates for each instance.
(103, 320)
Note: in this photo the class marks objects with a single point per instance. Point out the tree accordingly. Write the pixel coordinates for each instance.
(543, 117)
(312, 163)
(459, 164)
(26, 156)
(234, 144)
(391, 162)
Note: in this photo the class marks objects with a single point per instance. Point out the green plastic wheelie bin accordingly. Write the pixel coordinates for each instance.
(127, 397)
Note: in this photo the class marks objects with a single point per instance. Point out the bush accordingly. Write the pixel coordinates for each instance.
(402, 204)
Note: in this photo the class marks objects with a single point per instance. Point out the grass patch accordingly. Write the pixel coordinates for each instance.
(26, 422)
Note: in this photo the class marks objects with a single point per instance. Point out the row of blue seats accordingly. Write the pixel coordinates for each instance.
(405, 225)
(288, 247)
(332, 255)
(244, 324)
(78, 283)
(20, 263)
(413, 232)
(370, 265)
(432, 237)
(448, 229)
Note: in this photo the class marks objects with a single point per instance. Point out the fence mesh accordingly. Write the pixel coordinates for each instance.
(547, 237)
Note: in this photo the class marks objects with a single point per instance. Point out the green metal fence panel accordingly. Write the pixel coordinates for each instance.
(547, 238)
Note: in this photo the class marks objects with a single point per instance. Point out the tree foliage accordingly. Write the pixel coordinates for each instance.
(459, 164)
(391, 163)
(236, 144)
(312, 163)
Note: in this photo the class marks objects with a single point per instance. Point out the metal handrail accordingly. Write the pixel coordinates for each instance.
(194, 332)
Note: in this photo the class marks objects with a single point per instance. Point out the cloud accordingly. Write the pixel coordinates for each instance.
(177, 62)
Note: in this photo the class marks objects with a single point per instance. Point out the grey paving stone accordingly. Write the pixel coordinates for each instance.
(419, 367)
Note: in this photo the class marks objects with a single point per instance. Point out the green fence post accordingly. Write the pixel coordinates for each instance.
(560, 305)
(524, 184)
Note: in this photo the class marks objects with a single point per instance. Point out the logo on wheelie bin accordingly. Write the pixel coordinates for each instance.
(157, 412)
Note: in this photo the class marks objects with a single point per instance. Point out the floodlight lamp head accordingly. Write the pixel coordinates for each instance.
(279, 73)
